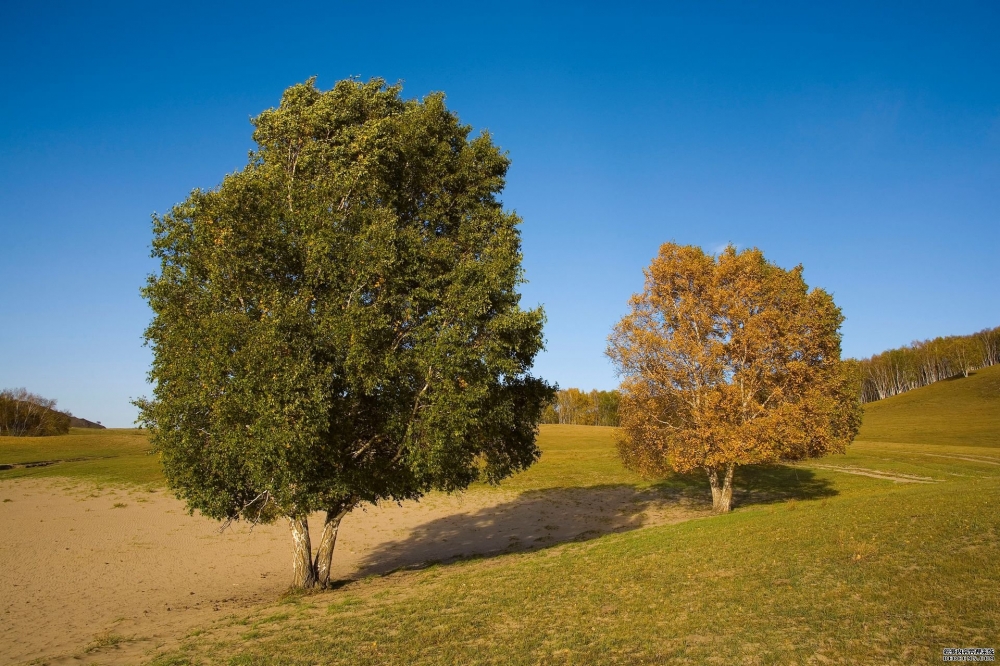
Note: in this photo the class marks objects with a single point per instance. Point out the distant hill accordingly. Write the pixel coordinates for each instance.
(963, 411)
(26, 414)
(77, 422)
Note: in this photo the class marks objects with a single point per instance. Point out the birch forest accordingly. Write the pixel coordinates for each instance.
(921, 363)
(577, 407)
(24, 414)
(883, 375)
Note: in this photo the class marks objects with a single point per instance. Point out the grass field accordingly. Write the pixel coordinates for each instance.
(960, 411)
(875, 571)
(101, 456)
(886, 554)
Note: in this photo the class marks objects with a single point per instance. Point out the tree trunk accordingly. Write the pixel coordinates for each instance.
(303, 569)
(328, 541)
(722, 493)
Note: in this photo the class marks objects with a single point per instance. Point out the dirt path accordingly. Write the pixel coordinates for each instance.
(83, 569)
(968, 458)
(895, 477)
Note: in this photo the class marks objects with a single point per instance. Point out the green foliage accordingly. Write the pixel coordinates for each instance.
(340, 321)
(24, 414)
(574, 407)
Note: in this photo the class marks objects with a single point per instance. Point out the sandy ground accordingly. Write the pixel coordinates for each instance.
(79, 565)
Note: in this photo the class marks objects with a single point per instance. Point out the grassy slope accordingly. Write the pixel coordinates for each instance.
(576, 457)
(864, 579)
(855, 569)
(962, 411)
(113, 456)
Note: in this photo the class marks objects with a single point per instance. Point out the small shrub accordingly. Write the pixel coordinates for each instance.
(105, 639)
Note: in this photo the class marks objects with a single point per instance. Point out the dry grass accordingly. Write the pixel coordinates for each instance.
(880, 572)
(105, 639)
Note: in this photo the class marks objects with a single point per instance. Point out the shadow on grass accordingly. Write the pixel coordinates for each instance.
(955, 378)
(756, 484)
(545, 518)
(767, 484)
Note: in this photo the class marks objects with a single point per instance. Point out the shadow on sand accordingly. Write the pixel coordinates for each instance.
(546, 518)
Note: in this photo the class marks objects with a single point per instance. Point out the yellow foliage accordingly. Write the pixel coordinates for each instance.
(730, 360)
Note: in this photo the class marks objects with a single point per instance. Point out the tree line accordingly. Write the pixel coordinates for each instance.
(920, 363)
(576, 407)
(24, 414)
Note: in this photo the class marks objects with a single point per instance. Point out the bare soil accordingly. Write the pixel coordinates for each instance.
(109, 576)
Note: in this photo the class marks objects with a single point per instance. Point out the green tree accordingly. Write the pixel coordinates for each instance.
(607, 407)
(339, 322)
(728, 361)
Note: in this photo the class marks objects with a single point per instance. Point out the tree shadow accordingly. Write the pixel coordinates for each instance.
(546, 518)
(954, 378)
(767, 484)
(758, 484)
(534, 519)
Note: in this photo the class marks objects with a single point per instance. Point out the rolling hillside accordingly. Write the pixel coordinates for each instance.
(963, 411)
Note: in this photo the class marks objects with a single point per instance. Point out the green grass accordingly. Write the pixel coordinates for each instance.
(586, 457)
(101, 456)
(574, 457)
(880, 573)
(816, 565)
(963, 411)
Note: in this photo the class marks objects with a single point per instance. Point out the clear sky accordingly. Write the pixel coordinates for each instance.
(860, 140)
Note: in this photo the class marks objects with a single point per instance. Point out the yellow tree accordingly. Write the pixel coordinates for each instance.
(729, 360)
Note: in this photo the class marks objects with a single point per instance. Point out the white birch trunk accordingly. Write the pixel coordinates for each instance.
(327, 542)
(303, 570)
(722, 489)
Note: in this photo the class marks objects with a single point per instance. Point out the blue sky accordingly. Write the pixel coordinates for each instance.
(860, 140)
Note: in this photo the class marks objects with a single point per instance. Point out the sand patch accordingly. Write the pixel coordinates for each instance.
(126, 572)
